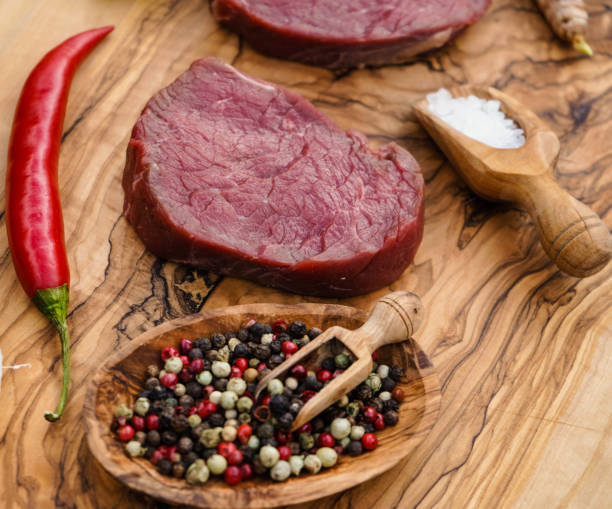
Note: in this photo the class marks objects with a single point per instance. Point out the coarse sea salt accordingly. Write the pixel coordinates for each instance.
(477, 118)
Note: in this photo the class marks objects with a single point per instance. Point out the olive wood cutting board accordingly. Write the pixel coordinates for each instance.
(522, 351)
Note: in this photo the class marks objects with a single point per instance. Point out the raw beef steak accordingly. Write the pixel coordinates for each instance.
(347, 33)
(245, 178)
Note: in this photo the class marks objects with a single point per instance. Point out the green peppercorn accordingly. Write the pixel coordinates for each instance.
(244, 418)
(275, 386)
(229, 433)
(374, 382)
(342, 361)
(215, 397)
(123, 411)
(343, 401)
(312, 463)
(269, 456)
(211, 437)
(134, 448)
(204, 377)
(228, 399)
(244, 404)
(141, 407)
(233, 343)
(344, 442)
(194, 420)
(253, 442)
(328, 456)
(306, 441)
(223, 354)
(179, 390)
(171, 402)
(280, 471)
(265, 430)
(353, 408)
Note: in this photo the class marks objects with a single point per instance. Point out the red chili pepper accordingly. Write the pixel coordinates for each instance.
(34, 217)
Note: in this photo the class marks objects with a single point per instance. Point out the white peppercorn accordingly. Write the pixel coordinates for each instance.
(357, 432)
(179, 390)
(275, 386)
(312, 463)
(297, 464)
(266, 339)
(268, 456)
(253, 442)
(385, 395)
(174, 365)
(204, 377)
(280, 471)
(221, 369)
(228, 399)
(328, 456)
(194, 420)
(223, 354)
(216, 464)
(134, 448)
(232, 342)
(340, 428)
(383, 371)
(244, 404)
(231, 414)
(229, 433)
(141, 407)
(215, 397)
(291, 383)
(237, 385)
(232, 422)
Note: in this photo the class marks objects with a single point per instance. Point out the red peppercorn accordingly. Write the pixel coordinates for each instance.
(241, 363)
(192, 410)
(232, 475)
(185, 345)
(138, 423)
(196, 366)
(369, 414)
(279, 326)
(178, 410)
(152, 422)
(171, 451)
(306, 395)
(324, 376)
(289, 347)
(235, 372)
(207, 391)
(379, 422)
(156, 457)
(169, 380)
(167, 352)
(369, 441)
(284, 452)
(337, 373)
(185, 375)
(375, 355)
(283, 437)
(185, 360)
(226, 448)
(266, 401)
(306, 428)
(326, 440)
(235, 457)
(117, 422)
(125, 433)
(246, 470)
(299, 371)
(205, 408)
(261, 365)
(398, 394)
(339, 449)
(249, 322)
(244, 433)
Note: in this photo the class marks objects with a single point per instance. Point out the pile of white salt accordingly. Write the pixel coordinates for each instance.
(477, 118)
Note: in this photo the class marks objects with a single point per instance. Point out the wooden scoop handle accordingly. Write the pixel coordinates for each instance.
(575, 238)
(394, 318)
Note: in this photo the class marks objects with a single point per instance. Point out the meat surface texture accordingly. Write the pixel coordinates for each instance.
(347, 33)
(245, 178)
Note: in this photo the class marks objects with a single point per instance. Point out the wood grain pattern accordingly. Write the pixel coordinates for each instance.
(121, 376)
(523, 352)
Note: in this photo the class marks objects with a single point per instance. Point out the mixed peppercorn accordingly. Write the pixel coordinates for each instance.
(197, 416)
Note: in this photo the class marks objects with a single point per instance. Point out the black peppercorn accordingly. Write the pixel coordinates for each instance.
(152, 383)
(297, 329)
(295, 406)
(256, 330)
(390, 418)
(363, 393)
(140, 436)
(354, 448)
(229, 335)
(279, 404)
(396, 373)
(195, 353)
(242, 334)
(152, 371)
(216, 420)
(295, 448)
(241, 350)
(178, 470)
(377, 404)
(172, 402)
(312, 384)
(186, 401)
(258, 466)
(269, 441)
(169, 437)
(314, 332)
(211, 355)
(328, 364)
(220, 384)
(157, 393)
(207, 453)
(185, 445)
(318, 424)
(275, 360)
(282, 337)
(157, 407)
(189, 458)
(262, 352)
(248, 454)
(149, 452)
(165, 467)
(285, 421)
(251, 387)
(391, 404)
(275, 346)
(166, 416)
(301, 342)
(193, 389)
(218, 341)
(143, 394)
(180, 423)
(203, 344)
(388, 384)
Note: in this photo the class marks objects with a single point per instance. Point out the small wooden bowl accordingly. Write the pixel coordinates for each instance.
(120, 378)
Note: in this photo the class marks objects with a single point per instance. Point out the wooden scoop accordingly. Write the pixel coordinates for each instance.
(572, 235)
(394, 318)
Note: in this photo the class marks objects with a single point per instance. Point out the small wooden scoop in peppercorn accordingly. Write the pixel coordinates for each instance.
(573, 236)
(394, 318)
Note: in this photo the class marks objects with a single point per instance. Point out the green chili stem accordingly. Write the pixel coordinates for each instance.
(53, 303)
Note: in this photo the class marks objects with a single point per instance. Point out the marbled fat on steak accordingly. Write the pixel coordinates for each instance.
(248, 179)
(347, 33)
